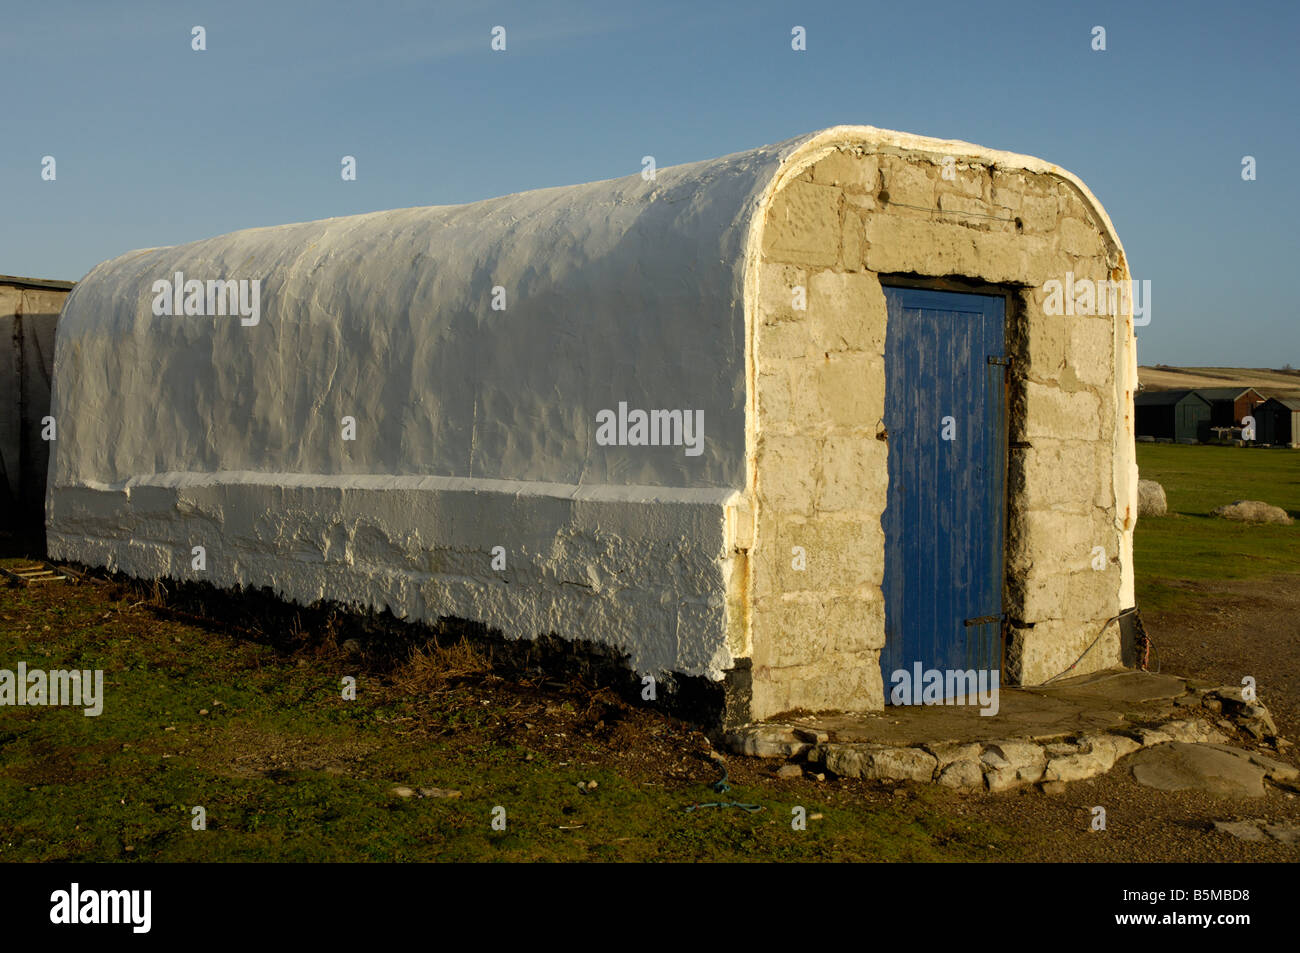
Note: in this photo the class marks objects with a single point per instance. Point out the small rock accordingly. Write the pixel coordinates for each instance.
(1217, 770)
(1152, 736)
(1252, 511)
(1151, 499)
(1019, 754)
(767, 741)
(995, 760)
(962, 776)
(352, 647)
(814, 817)
(1079, 767)
(789, 771)
(1193, 731)
(1283, 835)
(1242, 830)
(1256, 720)
(402, 790)
(946, 752)
(1011, 777)
(203, 711)
(900, 764)
(1112, 746)
(814, 735)
(437, 792)
(1054, 788)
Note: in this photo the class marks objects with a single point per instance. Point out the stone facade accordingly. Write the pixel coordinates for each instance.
(830, 234)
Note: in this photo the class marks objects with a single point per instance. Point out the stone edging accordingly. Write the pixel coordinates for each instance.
(1003, 765)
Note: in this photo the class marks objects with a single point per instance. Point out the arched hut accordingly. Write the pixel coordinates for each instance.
(787, 420)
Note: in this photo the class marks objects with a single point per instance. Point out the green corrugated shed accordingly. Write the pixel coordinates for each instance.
(1171, 414)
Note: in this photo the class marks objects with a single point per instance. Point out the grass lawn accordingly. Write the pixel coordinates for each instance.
(286, 769)
(1188, 543)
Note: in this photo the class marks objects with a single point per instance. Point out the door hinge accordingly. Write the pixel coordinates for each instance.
(984, 620)
(1000, 361)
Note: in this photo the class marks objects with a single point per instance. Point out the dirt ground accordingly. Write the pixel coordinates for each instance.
(1238, 628)
(1242, 628)
(1245, 628)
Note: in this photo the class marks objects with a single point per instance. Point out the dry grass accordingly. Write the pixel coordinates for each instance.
(1270, 383)
(434, 667)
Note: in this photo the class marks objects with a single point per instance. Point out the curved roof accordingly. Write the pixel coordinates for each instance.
(624, 290)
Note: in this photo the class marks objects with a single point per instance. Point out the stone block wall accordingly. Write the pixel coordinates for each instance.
(821, 478)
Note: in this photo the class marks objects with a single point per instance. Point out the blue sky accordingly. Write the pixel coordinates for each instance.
(156, 144)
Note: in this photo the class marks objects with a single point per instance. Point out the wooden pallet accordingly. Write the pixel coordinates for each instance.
(39, 573)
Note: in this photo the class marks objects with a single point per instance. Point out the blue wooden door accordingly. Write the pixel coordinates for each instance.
(945, 413)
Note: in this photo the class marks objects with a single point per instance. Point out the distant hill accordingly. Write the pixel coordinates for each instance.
(1268, 382)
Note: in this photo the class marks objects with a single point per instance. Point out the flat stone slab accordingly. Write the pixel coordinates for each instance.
(1086, 703)
(1218, 770)
(1259, 831)
(1122, 689)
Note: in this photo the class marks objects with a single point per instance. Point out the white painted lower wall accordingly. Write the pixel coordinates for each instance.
(640, 569)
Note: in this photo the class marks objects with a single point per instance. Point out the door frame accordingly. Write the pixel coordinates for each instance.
(1014, 309)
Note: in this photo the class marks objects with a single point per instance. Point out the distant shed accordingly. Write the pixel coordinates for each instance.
(1277, 422)
(1228, 405)
(1176, 415)
(29, 311)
